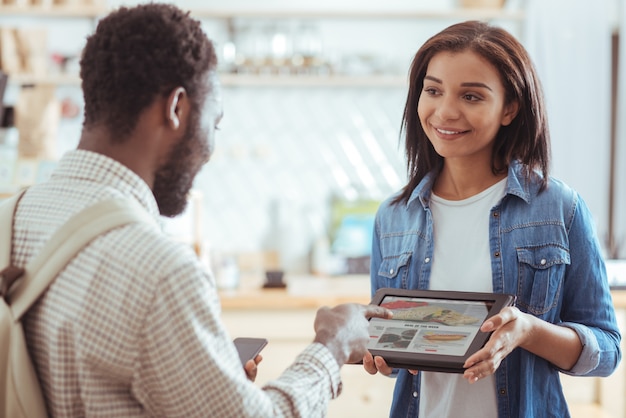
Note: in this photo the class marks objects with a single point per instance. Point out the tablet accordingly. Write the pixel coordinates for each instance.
(432, 330)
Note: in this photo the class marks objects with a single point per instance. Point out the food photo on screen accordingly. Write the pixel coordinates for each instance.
(428, 325)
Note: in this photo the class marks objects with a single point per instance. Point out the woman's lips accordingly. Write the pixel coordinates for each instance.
(447, 132)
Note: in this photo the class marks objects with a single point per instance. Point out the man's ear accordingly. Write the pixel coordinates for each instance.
(175, 107)
(510, 111)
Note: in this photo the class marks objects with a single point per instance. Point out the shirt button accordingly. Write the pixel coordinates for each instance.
(502, 391)
(497, 254)
(415, 394)
(496, 214)
(543, 262)
(427, 260)
(391, 271)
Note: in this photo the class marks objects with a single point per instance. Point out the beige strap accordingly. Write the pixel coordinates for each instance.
(66, 242)
(9, 274)
(7, 209)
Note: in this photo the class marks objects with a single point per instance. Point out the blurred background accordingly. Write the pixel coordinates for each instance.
(309, 145)
(313, 98)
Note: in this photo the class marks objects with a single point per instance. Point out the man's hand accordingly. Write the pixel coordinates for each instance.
(251, 367)
(344, 329)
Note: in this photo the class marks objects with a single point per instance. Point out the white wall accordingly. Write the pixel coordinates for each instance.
(620, 175)
(570, 43)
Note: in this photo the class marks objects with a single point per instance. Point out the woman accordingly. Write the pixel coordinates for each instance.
(480, 213)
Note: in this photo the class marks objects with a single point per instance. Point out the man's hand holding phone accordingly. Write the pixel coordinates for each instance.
(249, 349)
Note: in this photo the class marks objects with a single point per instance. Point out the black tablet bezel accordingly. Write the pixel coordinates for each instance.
(437, 362)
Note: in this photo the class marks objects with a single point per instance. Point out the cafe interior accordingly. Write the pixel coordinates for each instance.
(310, 145)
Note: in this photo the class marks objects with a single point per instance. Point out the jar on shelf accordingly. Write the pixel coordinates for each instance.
(482, 4)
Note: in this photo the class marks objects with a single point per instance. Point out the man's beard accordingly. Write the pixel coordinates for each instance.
(174, 179)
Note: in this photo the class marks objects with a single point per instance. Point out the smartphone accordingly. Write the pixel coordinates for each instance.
(248, 348)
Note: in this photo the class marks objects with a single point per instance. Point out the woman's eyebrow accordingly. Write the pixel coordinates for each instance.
(431, 78)
(467, 84)
(476, 84)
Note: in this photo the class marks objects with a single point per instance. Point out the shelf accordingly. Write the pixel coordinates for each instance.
(56, 79)
(244, 80)
(240, 80)
(456, 14)
(54, 11)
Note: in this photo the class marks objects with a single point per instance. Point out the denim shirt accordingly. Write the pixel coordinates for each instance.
(545, 251)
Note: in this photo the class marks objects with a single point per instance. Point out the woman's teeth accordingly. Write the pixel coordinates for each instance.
(445, 132)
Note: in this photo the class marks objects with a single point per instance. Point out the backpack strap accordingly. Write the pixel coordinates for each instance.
(66, 242)
(10, 273)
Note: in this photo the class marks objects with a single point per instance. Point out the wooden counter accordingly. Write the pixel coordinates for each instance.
(619, 298)
(302, 292)
(307, 292)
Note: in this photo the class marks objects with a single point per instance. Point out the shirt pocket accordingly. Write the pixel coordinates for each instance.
(541, 272)
(395, 268)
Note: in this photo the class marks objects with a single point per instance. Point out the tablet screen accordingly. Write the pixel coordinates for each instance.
(433, 326)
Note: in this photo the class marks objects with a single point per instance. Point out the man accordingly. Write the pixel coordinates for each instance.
(132, 326)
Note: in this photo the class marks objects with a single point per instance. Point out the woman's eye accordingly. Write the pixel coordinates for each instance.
(471, 97)
(430, 90)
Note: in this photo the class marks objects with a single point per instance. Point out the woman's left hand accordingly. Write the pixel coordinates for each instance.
(251, 367)
(510, 327)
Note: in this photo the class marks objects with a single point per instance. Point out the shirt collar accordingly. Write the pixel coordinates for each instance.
(85, 165)
(517, 184)
(424, 188)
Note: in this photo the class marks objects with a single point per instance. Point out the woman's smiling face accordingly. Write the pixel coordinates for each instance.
(462, 105)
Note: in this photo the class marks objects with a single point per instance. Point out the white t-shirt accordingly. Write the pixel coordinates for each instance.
(461, 261)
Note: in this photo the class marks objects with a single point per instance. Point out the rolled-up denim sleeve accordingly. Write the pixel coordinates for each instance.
(589, 358)
(588, 305)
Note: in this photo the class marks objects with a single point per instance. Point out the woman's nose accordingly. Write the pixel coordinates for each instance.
(447, 108)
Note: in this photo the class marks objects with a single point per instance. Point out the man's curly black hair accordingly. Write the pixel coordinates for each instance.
(137, 54)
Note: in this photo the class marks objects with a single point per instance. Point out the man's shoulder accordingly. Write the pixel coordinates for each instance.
(142, 245)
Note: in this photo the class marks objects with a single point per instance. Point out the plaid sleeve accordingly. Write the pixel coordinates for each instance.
(187, 365)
